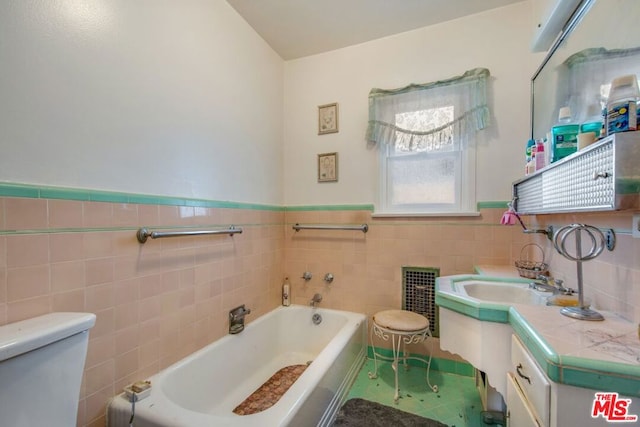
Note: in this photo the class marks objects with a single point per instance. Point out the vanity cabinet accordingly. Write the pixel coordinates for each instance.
(600, 177)
(528, 390)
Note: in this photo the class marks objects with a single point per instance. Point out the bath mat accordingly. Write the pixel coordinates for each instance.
(363, 413)
(271, 391)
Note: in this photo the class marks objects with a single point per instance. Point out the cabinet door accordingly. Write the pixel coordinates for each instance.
(518, 411)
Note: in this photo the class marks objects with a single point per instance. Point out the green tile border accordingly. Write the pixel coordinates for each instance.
(492, 205)
(44, 192)
(329, 208)
(437, 364)
(9, 189)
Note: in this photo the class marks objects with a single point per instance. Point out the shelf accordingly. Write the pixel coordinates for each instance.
(605, 176)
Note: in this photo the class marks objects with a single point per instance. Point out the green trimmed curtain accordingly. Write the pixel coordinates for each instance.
(393, 119)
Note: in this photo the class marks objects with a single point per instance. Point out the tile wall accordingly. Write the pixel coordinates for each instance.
(159, 301)
(155, 303)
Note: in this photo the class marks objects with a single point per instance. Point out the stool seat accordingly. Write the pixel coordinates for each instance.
(401, 320)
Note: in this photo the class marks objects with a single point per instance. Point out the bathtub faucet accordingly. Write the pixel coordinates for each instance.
(236, 319)
(315, 300)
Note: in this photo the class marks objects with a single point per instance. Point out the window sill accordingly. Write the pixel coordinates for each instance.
(424, 214)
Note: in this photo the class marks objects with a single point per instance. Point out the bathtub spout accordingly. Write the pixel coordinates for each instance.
(315, 300)
(236, 319)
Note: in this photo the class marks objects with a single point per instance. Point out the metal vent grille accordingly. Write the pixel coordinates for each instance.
(419, 294)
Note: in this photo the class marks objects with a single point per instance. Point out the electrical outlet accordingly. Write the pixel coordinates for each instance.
(635, 226)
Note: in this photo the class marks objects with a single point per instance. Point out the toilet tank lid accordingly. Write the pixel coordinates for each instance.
(26, 335)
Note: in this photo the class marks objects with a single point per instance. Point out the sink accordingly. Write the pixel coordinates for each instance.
(503, 292)
(480, 290)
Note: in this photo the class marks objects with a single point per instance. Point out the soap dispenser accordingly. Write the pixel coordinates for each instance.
(286, 293)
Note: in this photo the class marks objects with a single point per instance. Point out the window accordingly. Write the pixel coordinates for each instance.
(425, 136)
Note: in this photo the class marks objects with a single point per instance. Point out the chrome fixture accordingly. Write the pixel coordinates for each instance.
(549, 284)
(236, 319)
(317, 298)
(364, 227)
(598, 242)
(328, 277)
(511, 215)
(307, 276)
(144, 233)
(316, 319)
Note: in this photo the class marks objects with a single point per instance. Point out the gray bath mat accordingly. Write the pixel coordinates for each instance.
(363, 413)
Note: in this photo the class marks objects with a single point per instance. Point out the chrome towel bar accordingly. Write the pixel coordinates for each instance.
(144, 233)
(364, 227)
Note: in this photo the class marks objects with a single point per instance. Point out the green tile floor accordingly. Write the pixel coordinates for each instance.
(457, 402)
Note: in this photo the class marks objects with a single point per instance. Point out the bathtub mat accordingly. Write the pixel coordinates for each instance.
(364, 413)
(271, 391)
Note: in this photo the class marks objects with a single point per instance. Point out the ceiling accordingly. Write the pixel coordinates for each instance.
(298, 28)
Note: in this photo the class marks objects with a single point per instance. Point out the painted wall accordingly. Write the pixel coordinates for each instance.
(498, 40)
(149, 97)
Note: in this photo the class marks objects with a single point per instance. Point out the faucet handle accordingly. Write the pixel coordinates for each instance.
(307, 276)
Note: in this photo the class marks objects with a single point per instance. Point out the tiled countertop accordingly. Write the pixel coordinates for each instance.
(592, 354)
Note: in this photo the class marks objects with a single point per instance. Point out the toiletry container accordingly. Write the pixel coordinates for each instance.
(622, 104)
(540, 155)
(286, 292)
(593, 121)
(41, 365)
(564, 136)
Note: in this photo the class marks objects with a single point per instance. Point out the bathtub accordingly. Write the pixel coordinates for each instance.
(204, 388)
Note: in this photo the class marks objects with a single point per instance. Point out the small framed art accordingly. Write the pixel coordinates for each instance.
(328, 167)
(328, 118)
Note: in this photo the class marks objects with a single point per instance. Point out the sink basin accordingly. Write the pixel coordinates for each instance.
(503, 292)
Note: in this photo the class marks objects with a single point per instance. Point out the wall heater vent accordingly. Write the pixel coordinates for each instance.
(419, 294)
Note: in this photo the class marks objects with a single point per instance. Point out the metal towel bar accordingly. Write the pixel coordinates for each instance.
(144, 233)
(364, 227)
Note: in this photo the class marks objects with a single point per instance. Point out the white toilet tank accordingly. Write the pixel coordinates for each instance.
(41, 365)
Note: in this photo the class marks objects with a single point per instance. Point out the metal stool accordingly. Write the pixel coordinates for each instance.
(402, 327)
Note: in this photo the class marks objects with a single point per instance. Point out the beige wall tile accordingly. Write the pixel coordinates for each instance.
(65, 214)
(25, 214)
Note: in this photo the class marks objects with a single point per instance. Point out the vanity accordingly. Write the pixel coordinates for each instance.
(545, 366)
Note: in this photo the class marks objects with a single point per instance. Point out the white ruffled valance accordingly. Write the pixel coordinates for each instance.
(466, 97)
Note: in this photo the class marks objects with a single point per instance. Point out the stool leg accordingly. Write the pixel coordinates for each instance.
(394, 365)
(432, 387)
(374, 374)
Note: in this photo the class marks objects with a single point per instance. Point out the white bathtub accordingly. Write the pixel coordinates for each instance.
(205, 387)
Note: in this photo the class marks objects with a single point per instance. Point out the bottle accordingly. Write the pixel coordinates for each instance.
(540, 156)
(286, 293)
(593, 121)
(564, 136)
(527, 158)
(622, 104)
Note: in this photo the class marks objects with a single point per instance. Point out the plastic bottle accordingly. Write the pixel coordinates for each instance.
(564, 136)
(286, 293)
(622, 104)
(540, 156)
(530, 144)
(593, 121)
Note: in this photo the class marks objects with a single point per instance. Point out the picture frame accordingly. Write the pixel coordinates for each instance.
(328, 167)
(327, 118)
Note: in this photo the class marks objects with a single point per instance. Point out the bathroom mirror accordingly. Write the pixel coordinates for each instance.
(598, 44)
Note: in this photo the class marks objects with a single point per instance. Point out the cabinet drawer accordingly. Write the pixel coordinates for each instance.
(532, 380)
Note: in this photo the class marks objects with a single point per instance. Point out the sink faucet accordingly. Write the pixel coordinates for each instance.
(236, 319)
(315, 300)
(549, 284)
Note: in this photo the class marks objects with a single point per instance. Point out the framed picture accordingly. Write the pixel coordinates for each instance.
(328, 118)
(328, 167)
